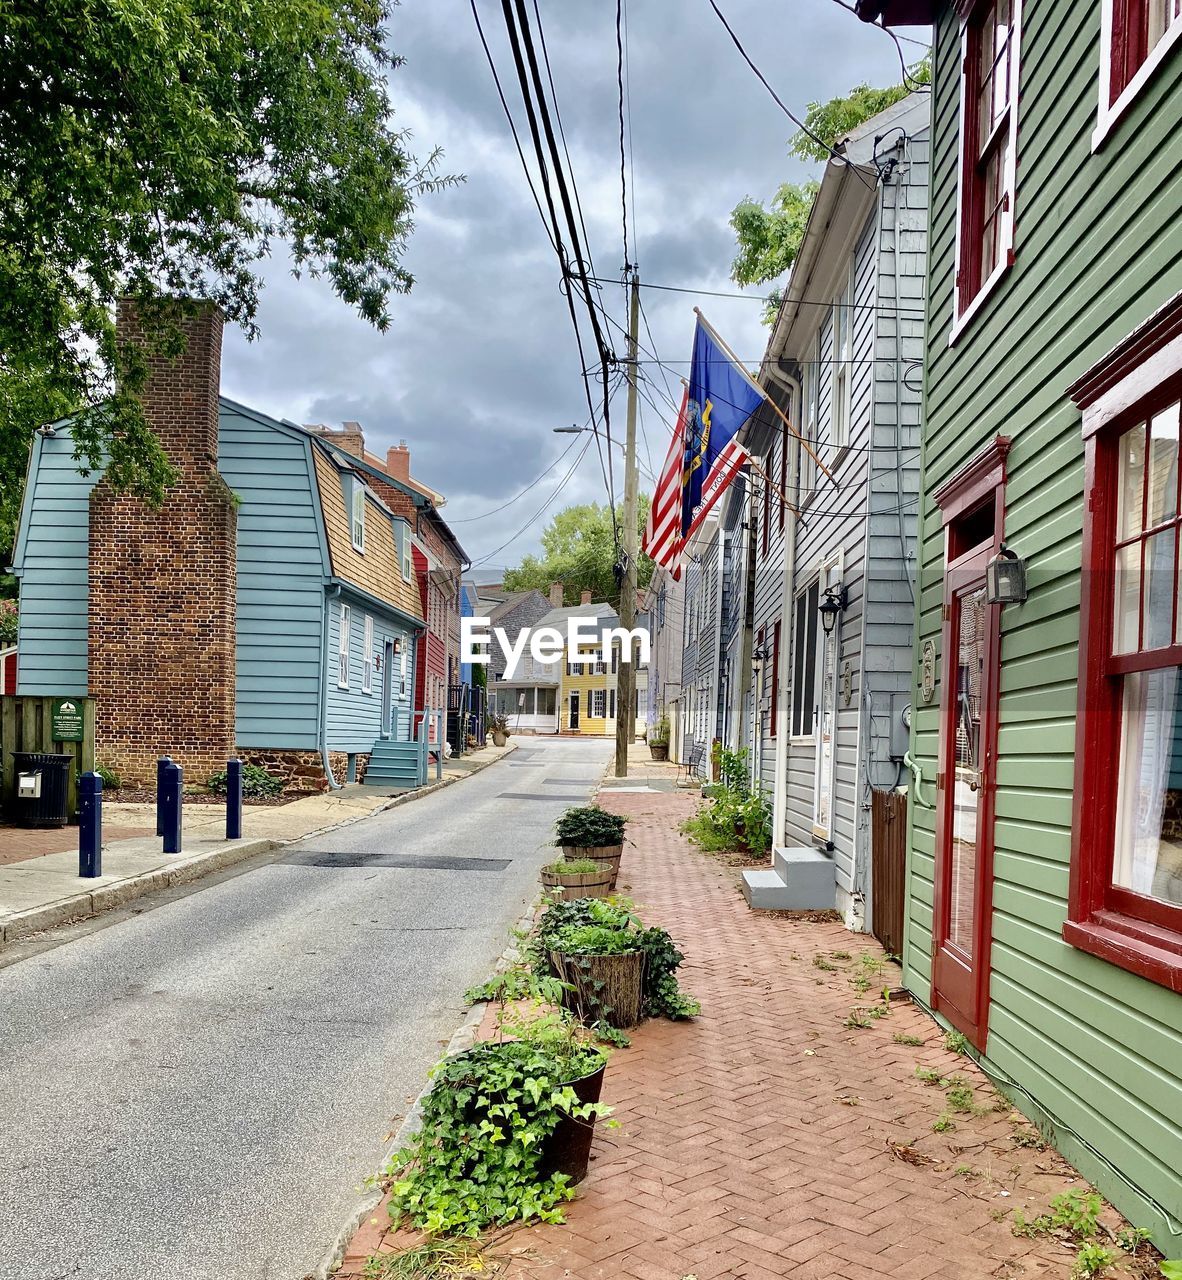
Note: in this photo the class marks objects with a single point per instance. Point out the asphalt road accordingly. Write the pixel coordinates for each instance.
(197, 1090)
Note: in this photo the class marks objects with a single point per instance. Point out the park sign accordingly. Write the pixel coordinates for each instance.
(66, 718)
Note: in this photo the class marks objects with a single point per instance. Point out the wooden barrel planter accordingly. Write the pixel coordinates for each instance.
(659, 750)
(568, 1148)
(580, 884)
(609, 854)
(603, 988)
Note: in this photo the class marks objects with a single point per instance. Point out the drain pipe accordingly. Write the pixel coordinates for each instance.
(332, 593)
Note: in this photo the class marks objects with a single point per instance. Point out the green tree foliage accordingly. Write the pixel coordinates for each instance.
(163, 148)
(578, 551)
(769, 236)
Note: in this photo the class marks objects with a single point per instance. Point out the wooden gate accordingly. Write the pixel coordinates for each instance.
(889, 857)
(26, 725)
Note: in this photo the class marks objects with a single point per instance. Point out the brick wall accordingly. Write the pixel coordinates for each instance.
(163, 582)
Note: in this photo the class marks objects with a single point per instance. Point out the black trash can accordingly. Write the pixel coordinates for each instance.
(40, 786)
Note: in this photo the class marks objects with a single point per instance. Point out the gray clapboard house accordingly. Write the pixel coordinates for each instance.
(834, 607)
(702, 561)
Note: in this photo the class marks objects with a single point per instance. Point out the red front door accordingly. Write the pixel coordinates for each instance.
(966, 786)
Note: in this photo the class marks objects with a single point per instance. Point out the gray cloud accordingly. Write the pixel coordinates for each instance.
(480, 362)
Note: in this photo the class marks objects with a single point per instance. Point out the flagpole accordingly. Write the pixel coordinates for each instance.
(775, 407)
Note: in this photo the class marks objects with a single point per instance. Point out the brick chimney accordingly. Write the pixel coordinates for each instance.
(163, 582)
(556, 595)
(586, 597)
(398, 462)
(348, 436)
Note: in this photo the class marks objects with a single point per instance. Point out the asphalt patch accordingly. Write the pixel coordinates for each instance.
(352, 860)
(539, 795)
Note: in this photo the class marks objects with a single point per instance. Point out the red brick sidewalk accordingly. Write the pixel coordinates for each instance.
(767, 1139)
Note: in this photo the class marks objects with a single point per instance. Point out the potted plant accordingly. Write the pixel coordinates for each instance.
(578, 878)
(491, 1149)
(658, 739)
(603, 965)
(588, 831)
(498, 726)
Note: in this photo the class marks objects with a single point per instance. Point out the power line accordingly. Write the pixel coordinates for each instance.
(518, 496)
(620, 87)
(796, 120)
(886, 307)
(540, 511)
(911, 85)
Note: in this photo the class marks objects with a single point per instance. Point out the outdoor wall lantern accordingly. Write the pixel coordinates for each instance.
(833, 604)
(1005, 578)
(397, 646)
(759, 655)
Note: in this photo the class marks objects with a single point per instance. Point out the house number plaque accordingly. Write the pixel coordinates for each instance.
(927, 670)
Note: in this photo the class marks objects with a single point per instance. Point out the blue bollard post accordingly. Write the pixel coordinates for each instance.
(161, 764)
(90, 826)
(234, 799)
(170, 794)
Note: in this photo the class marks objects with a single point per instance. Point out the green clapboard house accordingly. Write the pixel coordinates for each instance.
(1045, 853)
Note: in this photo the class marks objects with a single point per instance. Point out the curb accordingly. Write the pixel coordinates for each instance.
(462, 1038)
(86, 904)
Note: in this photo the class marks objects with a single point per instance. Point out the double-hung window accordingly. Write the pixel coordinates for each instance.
(775, 661)
(843, 350)
(367, 657)
(357, 522)
(988, 148)
(804, 667)
(598, 704)
(1136, 36)
(343, 633)
(1126, 884)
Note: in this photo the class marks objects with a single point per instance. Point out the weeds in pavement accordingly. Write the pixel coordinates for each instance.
(956, 1042)
(820, 962)
(944, 1123)
(840, 955)
(436, 1259)
(861, 1018)
(901, 1037)
(966, 1171)
(960, 1098)
(1092, 1260)
(1132, 1239)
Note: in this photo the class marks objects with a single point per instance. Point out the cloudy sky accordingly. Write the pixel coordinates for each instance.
(479, 364)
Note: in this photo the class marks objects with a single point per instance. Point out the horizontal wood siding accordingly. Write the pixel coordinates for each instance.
(1098, 248)
(53, 560)
(281, 572)
(833, 522)
(354, 716)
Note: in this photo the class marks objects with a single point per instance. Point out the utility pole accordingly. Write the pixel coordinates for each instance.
(626, 680)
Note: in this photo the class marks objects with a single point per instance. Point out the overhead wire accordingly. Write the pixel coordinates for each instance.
(909, 83)
(885, 307)
(517, 496)
(796, 120)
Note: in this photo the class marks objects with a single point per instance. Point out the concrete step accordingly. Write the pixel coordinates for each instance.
(800, 879)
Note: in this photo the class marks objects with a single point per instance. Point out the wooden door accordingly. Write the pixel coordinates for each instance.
(574, 710)
(965, 785)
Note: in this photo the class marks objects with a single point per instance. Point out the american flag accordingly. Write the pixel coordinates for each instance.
(662, 535)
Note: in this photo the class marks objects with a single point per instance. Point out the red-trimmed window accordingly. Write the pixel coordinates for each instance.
(1137, 28)
(988, 136)
(775, 676)
(1126, 882)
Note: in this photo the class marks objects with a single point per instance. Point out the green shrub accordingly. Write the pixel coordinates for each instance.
(736, 816)
(111, 780)
(589, 827)
(256, 782)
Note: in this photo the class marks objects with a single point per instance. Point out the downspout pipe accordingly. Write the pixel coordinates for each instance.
(332, 592)
(783, 705)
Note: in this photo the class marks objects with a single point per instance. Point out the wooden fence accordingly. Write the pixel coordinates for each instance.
(889, 871)
(26, 725)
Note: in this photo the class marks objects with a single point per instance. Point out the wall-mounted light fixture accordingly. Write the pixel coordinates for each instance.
(1005, 578)
(397, 645)
(833, 604)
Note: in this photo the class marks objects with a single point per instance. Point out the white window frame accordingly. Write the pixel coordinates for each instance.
(344, 630)
(829, 574)
(357, 515)
(404, 547)
(962, 319)
(598, 708)
(1109, 113)
(367, 656)
(841, 392)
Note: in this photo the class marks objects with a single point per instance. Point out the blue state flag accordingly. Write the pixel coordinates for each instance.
(722, 396)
